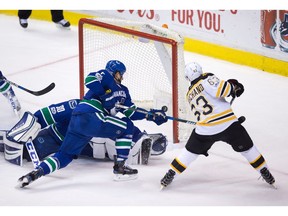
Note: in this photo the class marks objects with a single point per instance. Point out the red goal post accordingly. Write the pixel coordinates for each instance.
(153, 56)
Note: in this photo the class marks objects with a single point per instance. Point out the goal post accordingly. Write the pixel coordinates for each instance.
(153, 56)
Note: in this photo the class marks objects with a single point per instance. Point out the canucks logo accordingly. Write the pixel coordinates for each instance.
(73, 104)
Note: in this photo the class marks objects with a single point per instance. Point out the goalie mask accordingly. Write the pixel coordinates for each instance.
(192, 71)
(114, 66)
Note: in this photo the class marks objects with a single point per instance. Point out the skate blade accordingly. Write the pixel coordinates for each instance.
(62, 27)
(120, 177)
(162, 187)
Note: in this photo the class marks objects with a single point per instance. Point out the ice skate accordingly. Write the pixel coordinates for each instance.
(267, 176)
(63, 24)
(123, 172)
(23, 23)
(30, 177)
(167, 179)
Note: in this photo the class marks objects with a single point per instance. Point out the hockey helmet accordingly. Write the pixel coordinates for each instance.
(192, 71)
(114, 66)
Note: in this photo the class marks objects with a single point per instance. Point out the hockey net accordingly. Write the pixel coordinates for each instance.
(154, 59)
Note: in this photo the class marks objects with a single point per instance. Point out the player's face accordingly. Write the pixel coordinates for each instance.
(118, 77)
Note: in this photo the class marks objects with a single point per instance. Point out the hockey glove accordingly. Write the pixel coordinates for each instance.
(157, 116)
(237, 88)
(108, 101)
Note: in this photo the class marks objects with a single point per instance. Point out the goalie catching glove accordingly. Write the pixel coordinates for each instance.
(157, 116)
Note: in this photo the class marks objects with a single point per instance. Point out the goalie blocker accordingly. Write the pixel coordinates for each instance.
(12, 143)
(21, 134)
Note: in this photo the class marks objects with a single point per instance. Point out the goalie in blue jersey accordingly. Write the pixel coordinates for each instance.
(95, 116)
(50, 127)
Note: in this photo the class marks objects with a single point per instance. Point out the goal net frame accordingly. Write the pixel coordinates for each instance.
(136, 33)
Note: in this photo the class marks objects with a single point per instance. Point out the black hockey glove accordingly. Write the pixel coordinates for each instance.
(237, 88)
(108, 101)
(157, 116)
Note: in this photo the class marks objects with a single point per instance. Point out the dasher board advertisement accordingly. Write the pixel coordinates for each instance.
(263, 32)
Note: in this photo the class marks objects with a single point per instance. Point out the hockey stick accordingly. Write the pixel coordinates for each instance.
(164, 109)
(13, 107)
(36, 93)
(32, 152)
(241, 119)
(232, 100)
(234, 93)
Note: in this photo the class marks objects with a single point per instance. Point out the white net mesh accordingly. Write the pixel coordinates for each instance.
(148, 63)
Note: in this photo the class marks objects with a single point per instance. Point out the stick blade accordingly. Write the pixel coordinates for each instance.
(44, 91)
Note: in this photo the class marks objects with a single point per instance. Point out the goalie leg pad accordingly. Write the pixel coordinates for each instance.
(2, 135)
(13, 151)
(98, 146)
(136, 153)
(146, 150)
(27, 127)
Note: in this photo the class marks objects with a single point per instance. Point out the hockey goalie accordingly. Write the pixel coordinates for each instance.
(39, 135)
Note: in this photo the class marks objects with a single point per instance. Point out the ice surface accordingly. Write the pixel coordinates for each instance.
(41, 54)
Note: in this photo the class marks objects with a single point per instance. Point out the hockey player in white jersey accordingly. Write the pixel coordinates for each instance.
(216, 122)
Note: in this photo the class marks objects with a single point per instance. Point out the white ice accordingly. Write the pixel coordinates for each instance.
(41, 54)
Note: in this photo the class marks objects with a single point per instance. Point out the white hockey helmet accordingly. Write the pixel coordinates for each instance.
(192, 71)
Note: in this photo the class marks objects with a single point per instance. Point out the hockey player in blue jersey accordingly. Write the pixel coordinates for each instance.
(95, 117)
(8, 92)
(52, 123)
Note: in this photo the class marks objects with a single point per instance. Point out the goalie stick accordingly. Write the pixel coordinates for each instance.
(32, 152)
(36, 93)
(164, 109)
(13, 107)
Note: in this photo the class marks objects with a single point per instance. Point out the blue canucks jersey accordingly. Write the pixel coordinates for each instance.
(101, 83)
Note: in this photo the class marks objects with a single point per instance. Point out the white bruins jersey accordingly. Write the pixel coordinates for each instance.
(207, 101)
